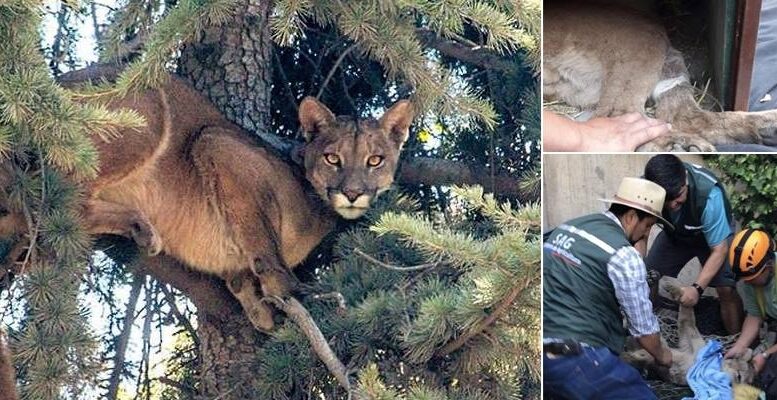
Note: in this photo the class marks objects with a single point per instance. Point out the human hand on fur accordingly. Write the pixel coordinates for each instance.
(690, 296)
(622, 133)
(735, 351)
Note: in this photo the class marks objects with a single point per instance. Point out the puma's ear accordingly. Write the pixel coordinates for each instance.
(312, 116)
(397, 121)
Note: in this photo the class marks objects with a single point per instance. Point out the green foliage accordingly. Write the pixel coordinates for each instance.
(430, 313)
(751, 183)
(46, 134)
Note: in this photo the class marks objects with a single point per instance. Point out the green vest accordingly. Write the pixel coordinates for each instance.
(688, 226)
(578, 296)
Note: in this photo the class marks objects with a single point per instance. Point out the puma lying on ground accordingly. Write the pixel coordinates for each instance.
(612, 60)
(195, 186)
(689, 343)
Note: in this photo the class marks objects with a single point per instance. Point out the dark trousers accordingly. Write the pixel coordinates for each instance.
(669, 256)
(596, 373)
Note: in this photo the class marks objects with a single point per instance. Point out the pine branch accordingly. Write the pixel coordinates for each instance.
(341, 306)
(481, 326)
(179, 316)
(123, 340)
(334, 68)
(475, 55)
(437, 171)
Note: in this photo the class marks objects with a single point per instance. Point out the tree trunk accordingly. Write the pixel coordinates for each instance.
(229, 344)
(231, 66)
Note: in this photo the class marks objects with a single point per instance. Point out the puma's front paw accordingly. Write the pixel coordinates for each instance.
(677, 143)
(144, 234)
(261, 317)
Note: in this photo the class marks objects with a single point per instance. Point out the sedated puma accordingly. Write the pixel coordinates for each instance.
(689, 343)
(194, 186)
(612, 60)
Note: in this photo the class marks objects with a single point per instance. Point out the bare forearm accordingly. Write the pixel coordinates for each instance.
(750, 329)
(559, 133)
(713, 264)
(652, 344)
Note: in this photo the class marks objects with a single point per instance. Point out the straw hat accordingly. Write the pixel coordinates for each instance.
(641, 194)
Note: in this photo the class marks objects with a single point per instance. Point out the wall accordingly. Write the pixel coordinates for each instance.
(572, 183)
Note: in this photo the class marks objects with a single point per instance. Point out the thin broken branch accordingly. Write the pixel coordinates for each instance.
(392, 267)
(297, 313)
(333, 69)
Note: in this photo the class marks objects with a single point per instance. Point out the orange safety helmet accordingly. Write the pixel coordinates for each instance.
(750, 250)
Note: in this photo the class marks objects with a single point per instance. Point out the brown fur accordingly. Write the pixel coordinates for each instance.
(610, 59)
(193, 185)
(689, 343)
(7, 373)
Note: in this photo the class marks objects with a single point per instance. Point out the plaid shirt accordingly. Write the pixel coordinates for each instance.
(627, 272)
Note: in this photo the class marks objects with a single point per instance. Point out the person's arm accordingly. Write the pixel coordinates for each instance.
(716, 233)
(622, 133)
(759, 360)
(627, 272)
(708, 271)
(750, 329)
(652, 344)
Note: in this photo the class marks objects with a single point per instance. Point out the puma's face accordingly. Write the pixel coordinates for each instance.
(349, 162)
(740, 369)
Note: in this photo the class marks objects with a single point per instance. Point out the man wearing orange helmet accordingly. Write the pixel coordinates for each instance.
(751, 256)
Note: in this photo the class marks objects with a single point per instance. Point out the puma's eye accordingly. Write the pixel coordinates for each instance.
(332, 159)
(374, 161)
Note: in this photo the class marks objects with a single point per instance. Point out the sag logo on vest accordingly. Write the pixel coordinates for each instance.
(563, 241)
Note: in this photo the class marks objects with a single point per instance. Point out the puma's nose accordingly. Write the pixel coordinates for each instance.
(352, 194)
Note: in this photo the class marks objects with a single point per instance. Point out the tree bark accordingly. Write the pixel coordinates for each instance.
(231, 65)
(229, 344)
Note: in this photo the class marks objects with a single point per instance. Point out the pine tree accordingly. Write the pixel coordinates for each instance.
(463, 324)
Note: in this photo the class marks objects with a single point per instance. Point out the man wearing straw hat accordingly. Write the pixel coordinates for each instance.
(697, 206)
(592, 273)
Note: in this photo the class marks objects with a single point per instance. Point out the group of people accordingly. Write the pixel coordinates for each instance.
(595, 275)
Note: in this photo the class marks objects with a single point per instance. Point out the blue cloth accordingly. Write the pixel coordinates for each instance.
(596, 373)
(706, 377)
(716, 227)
